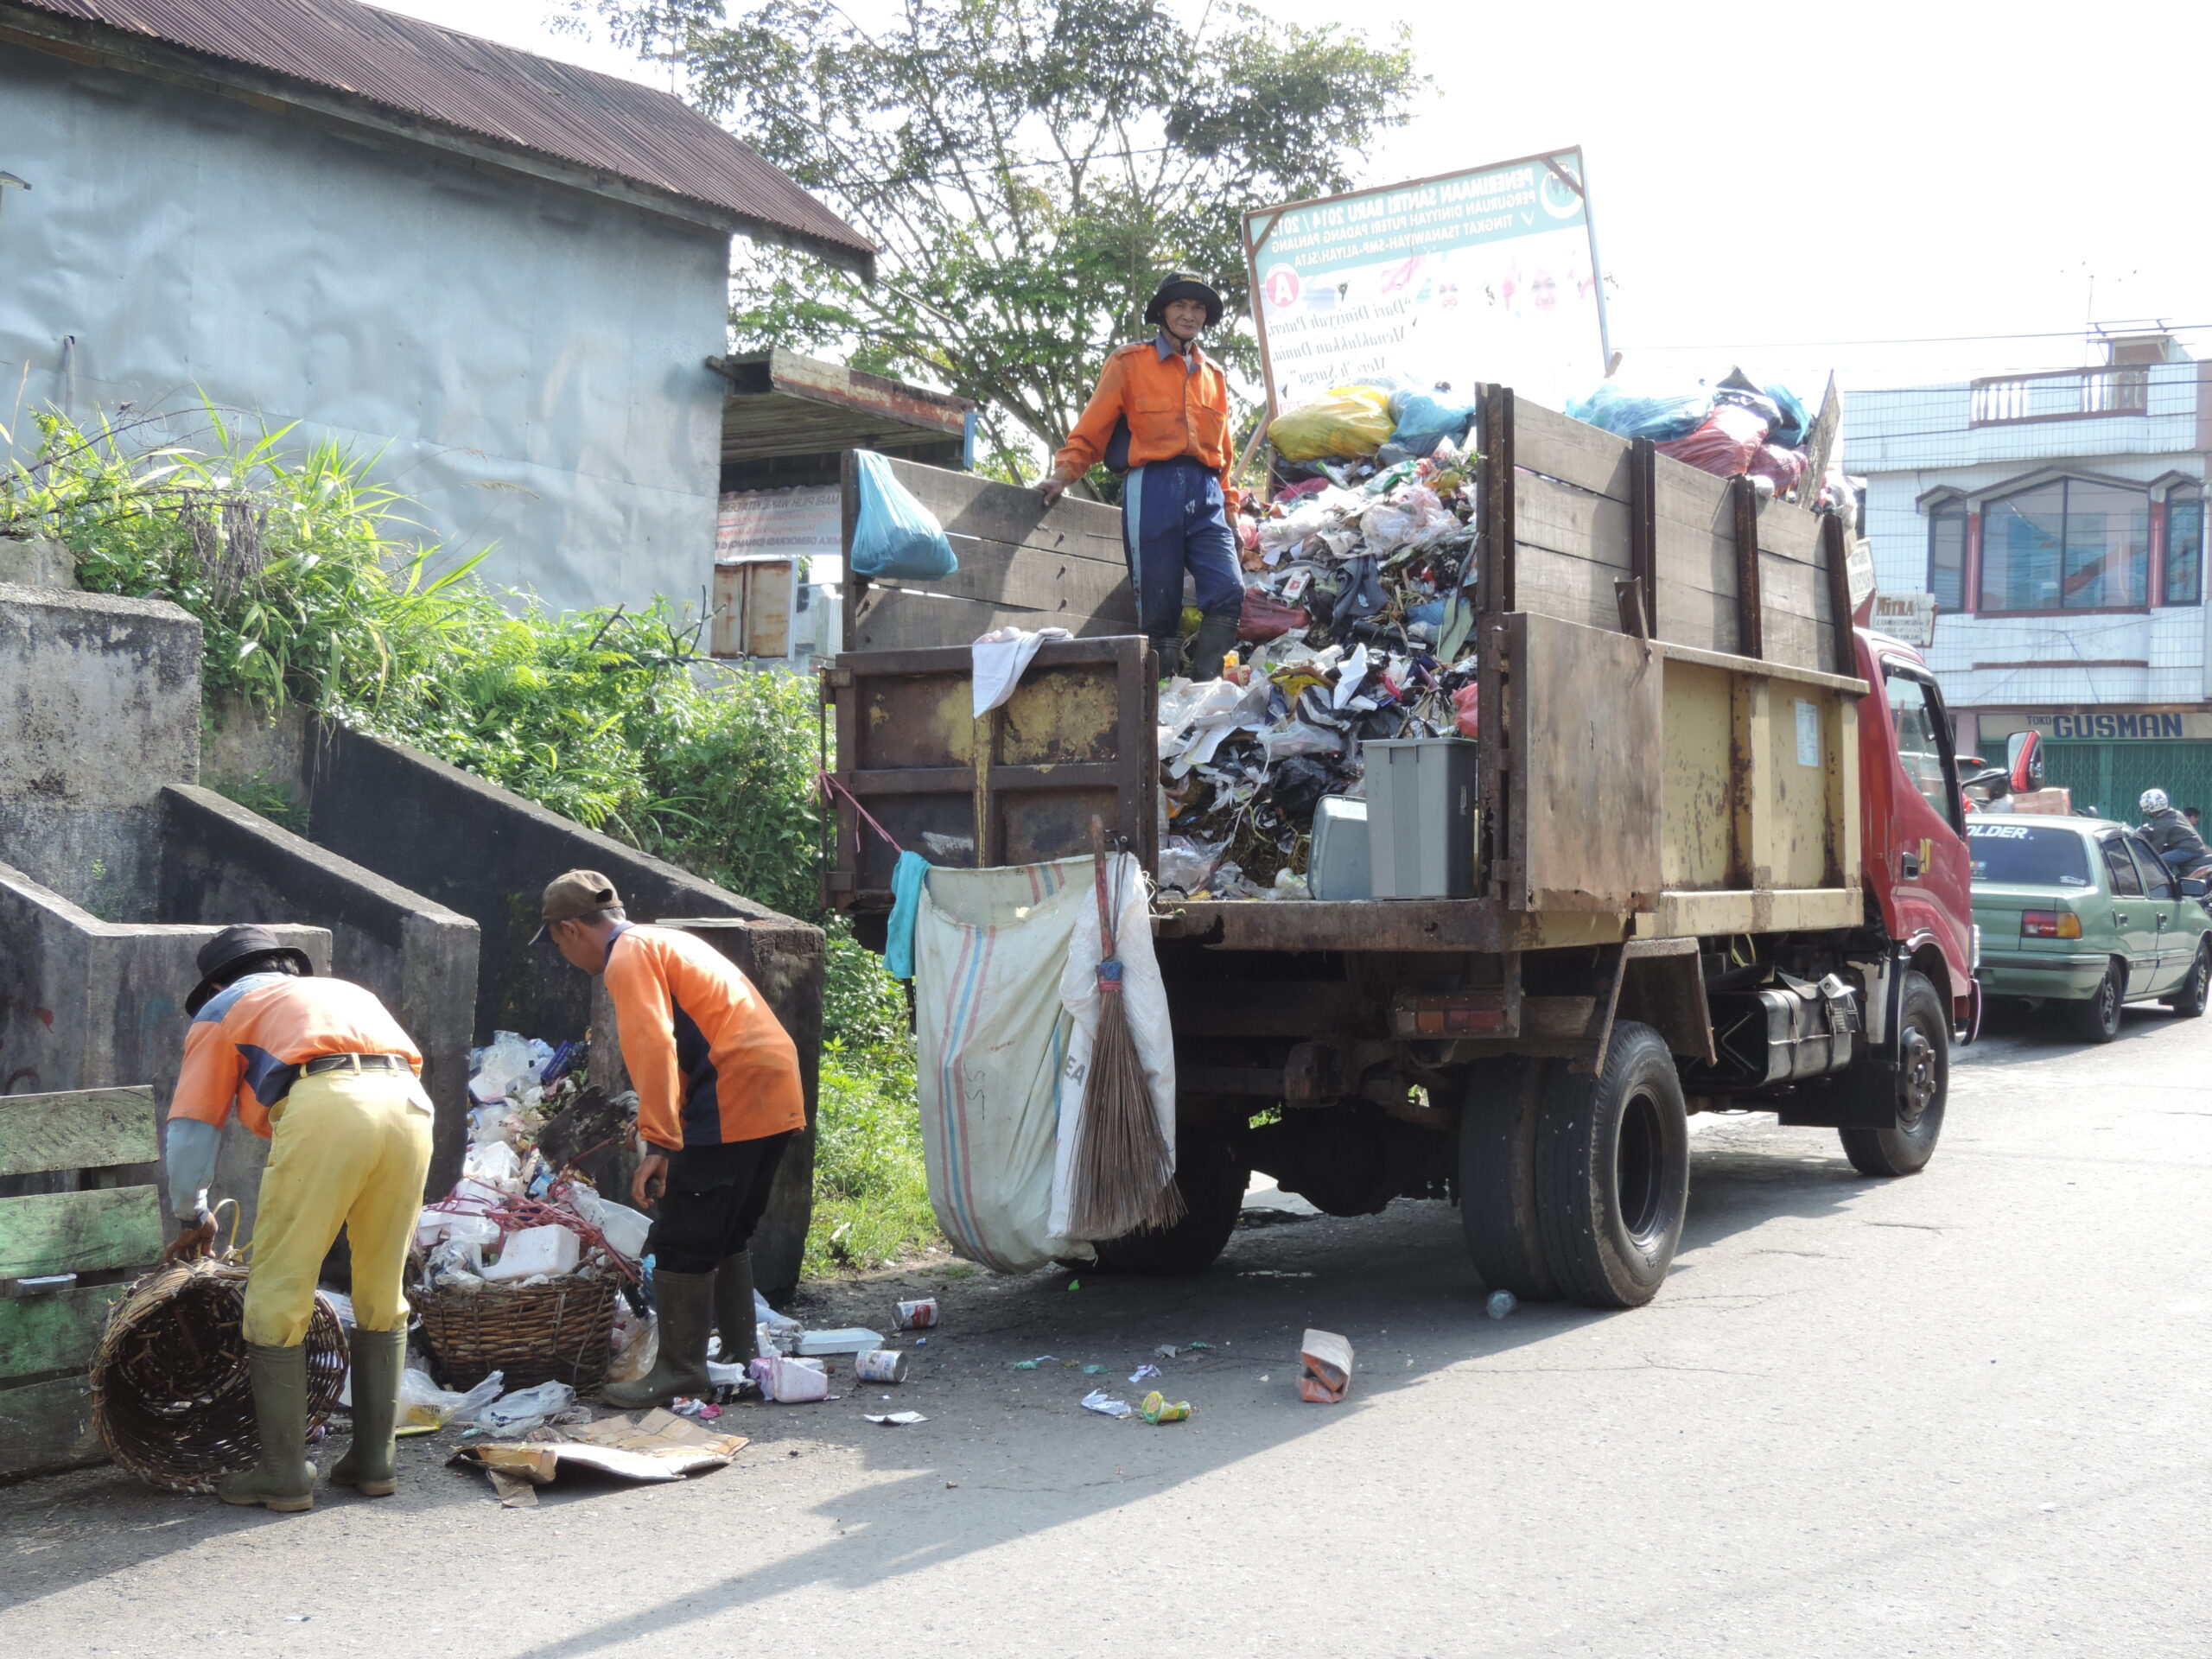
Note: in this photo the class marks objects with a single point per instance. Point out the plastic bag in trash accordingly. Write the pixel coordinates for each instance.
(423, 1404)
(525, 1409)
(1186, 861)
(1661, 418)
(895, 535)
(1784, 467)
(1343, 422)
(1266, 617)
(1425, 420)
(1724, 446)
(1795, 425)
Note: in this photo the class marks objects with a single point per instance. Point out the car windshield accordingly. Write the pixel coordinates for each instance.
(2028, 855)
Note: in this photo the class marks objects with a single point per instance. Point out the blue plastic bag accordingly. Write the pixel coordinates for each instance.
(1796, 425)
(1661, 419)
(895, 535)
(1424, 421)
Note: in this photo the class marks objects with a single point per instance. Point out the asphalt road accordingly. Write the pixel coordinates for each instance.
(1961, 1414)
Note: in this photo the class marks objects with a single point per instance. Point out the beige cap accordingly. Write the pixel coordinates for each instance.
(576, 893)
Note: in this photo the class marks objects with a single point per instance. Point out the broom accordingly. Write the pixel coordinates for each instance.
(1122, 1179)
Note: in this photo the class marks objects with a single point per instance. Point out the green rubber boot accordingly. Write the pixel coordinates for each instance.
(683, 1303)
(284, 1478)
(735, 1319)
(367, 1464)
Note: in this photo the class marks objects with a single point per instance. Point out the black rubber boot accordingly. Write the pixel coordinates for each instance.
(684, 1306)
(1215, 638)
(283, 1479)
(736, 1321)
(1167, 655)
(367, 1464)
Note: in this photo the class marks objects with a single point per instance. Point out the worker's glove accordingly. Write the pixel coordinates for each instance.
(195, 1237)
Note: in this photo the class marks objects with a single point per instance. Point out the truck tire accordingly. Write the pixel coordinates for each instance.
(2187, 998)
(2098, 1019)
(1922, 1084)
(1497, 1177)
(1212, 1177)
(1614, 1172)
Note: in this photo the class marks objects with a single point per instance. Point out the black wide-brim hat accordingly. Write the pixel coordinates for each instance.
(1183, 285)
(234, 945)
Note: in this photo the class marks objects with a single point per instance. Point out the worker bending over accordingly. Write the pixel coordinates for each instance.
(318, 1068)
(719, 1098)
(1160, 414)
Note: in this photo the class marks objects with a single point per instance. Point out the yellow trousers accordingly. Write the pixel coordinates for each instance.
(346, 1148)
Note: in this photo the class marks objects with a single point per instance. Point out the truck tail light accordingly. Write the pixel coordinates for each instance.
(2050, 925)
(1451, 1014)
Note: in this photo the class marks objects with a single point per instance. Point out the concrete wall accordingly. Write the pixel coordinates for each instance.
(84, 1004)
(37, 564)
(99, 708)
(222, 864)
(529, 360)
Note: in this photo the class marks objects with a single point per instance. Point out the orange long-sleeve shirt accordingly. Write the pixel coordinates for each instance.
(709, 1062)
(1175, 406)
(245, 1047)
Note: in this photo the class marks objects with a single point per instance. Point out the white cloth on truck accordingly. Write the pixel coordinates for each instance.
(1000, 658)
(1144, 996)
(989, 949)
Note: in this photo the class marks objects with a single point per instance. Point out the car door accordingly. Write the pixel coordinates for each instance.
(2160, 894)
(2135, 927)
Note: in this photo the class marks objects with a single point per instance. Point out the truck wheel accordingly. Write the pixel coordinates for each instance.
(1923, 1083)
(1213, 1179)
(1614, 1172)
(1498, 1178)
(2190, 996)
(2098, 1019)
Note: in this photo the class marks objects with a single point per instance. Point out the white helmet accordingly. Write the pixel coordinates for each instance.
(2154, 800)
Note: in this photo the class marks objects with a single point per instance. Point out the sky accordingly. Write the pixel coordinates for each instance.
(1797, 196)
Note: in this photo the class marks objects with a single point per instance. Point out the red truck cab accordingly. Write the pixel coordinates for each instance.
(1913, 850)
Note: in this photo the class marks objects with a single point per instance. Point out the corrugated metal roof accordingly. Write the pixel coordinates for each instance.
(497, 93)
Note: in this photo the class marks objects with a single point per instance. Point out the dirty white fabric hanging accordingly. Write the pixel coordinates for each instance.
(1006, 968)
(999, 658)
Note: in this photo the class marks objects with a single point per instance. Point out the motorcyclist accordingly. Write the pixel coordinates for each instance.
(2170, 834)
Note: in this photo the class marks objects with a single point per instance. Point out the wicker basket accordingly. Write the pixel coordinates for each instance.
(559, 1331)
(172, 1397)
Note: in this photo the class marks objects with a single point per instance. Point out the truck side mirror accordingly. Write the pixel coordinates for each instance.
(2195, 886)
(2023, 759)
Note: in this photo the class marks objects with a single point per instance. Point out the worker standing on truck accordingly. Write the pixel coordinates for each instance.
(1160, 415)
(318, 1068)
(719, 1098)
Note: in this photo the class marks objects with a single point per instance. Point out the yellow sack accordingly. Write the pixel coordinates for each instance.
(1343, 423)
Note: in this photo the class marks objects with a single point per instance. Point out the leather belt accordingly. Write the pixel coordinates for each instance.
(323, 1063)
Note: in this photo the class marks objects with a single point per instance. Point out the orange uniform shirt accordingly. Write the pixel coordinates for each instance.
(1174, 406)
(245, 1047)
(709, 1062)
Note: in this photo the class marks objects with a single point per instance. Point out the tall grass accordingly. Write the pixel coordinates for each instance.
(295, 562)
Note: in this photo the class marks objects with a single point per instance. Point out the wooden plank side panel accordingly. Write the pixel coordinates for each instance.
(1790, 532)
(47, 1425)
(1792, 611)
(1700, 620)
(1551, 583)
(86, 1129)
(1585, 709)
(79, 1232)
(1560, 447)
(1068, 588)
(60, 1332)
(1549, 514)
(893, 619)
(968, 504)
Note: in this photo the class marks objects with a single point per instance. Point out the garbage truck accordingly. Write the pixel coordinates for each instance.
(1712, 830)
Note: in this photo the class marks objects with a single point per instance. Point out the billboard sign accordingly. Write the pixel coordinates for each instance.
(1489, 274)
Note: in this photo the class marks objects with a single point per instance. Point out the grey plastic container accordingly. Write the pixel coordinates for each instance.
(1339, 867)
(1420, 817)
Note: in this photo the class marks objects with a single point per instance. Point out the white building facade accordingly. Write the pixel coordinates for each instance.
(2057, 521)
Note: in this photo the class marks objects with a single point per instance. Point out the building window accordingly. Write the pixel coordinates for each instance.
(1947, 556)
(2184, 579)
(2071, 545)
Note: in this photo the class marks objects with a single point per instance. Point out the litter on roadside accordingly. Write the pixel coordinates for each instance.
(1156, 1409)
(659, 1447)
(1105, 1405)
(1031, 1364)
(896, 1419)
(916, 1315)
(1326, 1361)
(850, 1339)
(1143, 1372)
(1501, 1303)
(787, 1381)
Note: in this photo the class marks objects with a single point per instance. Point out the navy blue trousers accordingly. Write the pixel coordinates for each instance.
(1173, 520)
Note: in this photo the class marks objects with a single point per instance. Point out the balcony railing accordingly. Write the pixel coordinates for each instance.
(2061, 395)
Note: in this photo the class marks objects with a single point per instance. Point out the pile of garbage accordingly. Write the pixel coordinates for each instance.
(1359, 605)
(1734, 428)
(518, 1217)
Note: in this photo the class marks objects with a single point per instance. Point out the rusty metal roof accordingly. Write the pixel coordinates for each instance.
(511, 99)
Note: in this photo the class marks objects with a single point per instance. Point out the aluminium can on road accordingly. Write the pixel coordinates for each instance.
(917, 1316)
(880, 1365)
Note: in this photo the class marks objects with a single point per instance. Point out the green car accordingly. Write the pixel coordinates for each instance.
(2082, 911)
